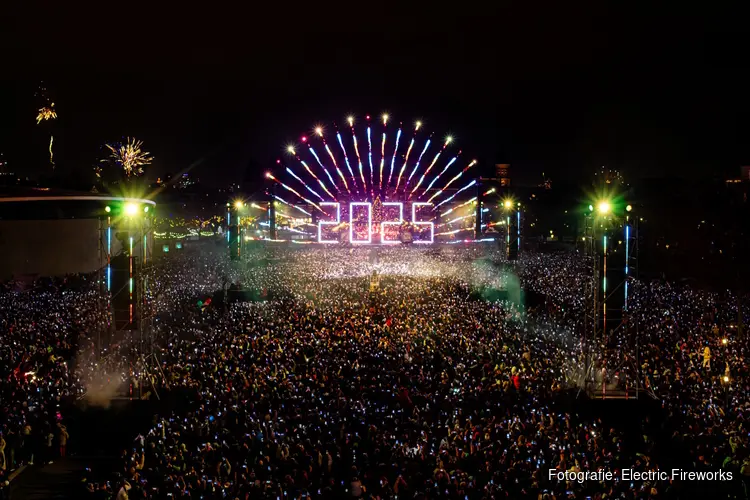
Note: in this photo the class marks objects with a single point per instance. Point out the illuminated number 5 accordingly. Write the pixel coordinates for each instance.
(369, 221)
(417, 223)
(323, 223)
(384, 224)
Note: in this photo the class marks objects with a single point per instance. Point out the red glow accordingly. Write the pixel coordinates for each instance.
(278, 161)
(368, 117)
(304, 139)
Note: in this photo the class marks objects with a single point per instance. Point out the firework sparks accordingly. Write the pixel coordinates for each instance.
(346, 158)
(448, 140)
(393, 159)
(46, 113)
(455, 178)
(441, 173)
(129, 156)
(416, 166)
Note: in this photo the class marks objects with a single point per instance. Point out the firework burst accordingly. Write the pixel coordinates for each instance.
(46, 113)
(128, 156)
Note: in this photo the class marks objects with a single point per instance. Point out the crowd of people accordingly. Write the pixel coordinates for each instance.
(424, 386)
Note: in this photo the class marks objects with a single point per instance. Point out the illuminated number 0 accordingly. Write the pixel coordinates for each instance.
(369, 221)
(323, 223)
(384, 224)
(417, 223)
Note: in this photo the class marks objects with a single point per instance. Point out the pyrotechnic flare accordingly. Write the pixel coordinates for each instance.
(292, 190)
(456, 177)
(434, 160)
(356, 151)
(406, 160)
(453, 160)
(292, 151)
(46, 113)
(304, 183)
(456, 193)
(346, 158)
(335, 186)
(393, 159)
(459, 206)
(129, 156)
(292, 205)
(427, 145)
(369, 156)
(382, 159)
(319, 131)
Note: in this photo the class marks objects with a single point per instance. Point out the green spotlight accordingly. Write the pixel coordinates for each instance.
(131, 209)
(107, 209)
(591, 208)
(629, 208)
(145, 208)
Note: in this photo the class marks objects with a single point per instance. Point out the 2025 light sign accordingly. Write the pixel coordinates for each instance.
(362, 206)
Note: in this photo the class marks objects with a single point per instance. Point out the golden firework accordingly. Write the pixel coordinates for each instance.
(129, 156)
(46, 113)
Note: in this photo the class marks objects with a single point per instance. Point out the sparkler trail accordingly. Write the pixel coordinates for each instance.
(369, 156)
(406, 160)
(292, 205)
(453, 160)
(456, 177)
(356, 151)
(319, 131)
(292, 190)
(456, 193)
(393, 159)
(309, 171)
(304, 183)
(427, 145)
(351, 172)
(434, 160)
(459, 206)
(51, 155)
(336, 186)
(382, 152)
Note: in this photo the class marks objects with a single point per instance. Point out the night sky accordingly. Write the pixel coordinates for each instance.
(558, 88)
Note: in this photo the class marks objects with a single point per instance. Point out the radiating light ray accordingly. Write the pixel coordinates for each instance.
(333, 183)
(338, 170)
(489, 191)
(282, 200)
(427, 171)
(51, 154)
(416, 166)
(393, 158)
(292, 190)
(291, 150)
(369, 158)
(304, 183)
(382, 157)
(452, 221)
(406, 160)
(458, 206)
(129, 156)
(456, 193)
(453, 160)
(455, 178)
(359, 160)
(348, 165)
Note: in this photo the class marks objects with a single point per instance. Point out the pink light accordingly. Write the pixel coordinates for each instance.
(278, 162)
(323, 223)
(383, 225)
(368, 117)
(369, 222)
(304, 139)
(414, 221)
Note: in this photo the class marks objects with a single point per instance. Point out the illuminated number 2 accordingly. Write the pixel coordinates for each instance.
(323, 223)
(384, 224)
(417, 223)
(369, 221)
